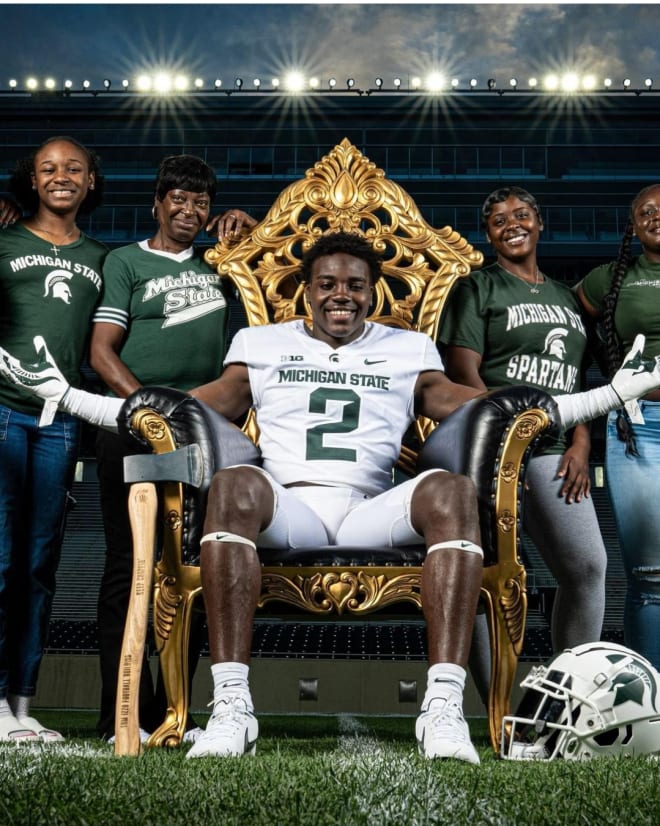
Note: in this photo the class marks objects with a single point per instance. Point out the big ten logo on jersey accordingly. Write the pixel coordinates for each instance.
(291, 358)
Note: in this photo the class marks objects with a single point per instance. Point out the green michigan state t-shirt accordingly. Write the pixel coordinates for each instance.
(174, 310)
(48, 290)
(637, 304)
(537, 339)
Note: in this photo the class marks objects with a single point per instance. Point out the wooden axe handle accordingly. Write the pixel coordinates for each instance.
(142, 506)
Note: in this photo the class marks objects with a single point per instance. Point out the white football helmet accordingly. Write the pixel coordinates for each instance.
(593, 700)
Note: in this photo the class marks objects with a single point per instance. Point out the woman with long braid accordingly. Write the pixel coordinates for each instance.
(625, 296)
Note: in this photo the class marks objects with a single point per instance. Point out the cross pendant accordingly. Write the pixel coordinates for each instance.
(55, 249)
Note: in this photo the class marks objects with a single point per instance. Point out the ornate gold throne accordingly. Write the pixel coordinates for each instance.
(489, 438)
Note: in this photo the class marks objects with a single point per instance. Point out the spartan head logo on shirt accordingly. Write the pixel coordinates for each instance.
(555, 345)
(56, 284)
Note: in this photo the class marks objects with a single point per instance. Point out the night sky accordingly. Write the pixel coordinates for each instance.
(363, 41)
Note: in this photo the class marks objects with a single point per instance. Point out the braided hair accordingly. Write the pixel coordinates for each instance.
(614, 350)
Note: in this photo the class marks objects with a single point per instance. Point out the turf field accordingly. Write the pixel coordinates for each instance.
(319, 771)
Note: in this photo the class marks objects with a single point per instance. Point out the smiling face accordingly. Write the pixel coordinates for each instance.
(61, 176)
(513, 228)
(646, 221)
(339, 294)
(181, 215)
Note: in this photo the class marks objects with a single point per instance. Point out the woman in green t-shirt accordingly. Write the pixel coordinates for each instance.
(625, 296)
(510, 324)
(50, 281)
(161, 320)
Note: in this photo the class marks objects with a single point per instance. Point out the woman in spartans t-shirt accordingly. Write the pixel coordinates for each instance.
(510, 324)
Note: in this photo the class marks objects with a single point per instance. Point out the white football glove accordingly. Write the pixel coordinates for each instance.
(637, 376)
(42, 379)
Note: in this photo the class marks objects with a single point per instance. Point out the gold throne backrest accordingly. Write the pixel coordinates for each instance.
(345, 191)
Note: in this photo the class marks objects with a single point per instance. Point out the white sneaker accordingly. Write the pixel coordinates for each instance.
(231, 731)
(144, 736)
(46, 735)
(192, 735)
(442, 732)
(11, 731)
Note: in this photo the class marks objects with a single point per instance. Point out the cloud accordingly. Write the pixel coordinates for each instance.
(362, 40)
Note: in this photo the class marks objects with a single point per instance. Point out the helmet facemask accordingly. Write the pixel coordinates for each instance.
(594, 700)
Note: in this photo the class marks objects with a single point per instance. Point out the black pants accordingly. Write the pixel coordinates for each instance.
(114, 594)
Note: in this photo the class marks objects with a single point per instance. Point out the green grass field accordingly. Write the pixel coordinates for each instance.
(319, 771)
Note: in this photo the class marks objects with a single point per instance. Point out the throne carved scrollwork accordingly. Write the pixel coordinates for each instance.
(346, 590)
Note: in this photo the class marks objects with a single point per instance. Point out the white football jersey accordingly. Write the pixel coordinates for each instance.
(333, 416)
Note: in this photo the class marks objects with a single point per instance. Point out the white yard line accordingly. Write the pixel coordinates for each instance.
(26, 758)
(354, 738)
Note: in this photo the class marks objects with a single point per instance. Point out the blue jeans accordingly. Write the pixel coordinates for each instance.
(634, 489)
(36, 472)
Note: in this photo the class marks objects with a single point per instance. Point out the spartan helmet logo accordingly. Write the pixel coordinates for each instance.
(57, 285)
(555, 344)
(630, 685)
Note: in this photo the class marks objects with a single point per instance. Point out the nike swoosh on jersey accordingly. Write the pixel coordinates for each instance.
(375, 361)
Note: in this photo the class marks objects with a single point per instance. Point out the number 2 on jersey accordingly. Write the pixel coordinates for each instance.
(318, 401)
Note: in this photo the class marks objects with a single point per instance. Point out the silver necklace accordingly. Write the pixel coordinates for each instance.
(55, 247)
(534, 288)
